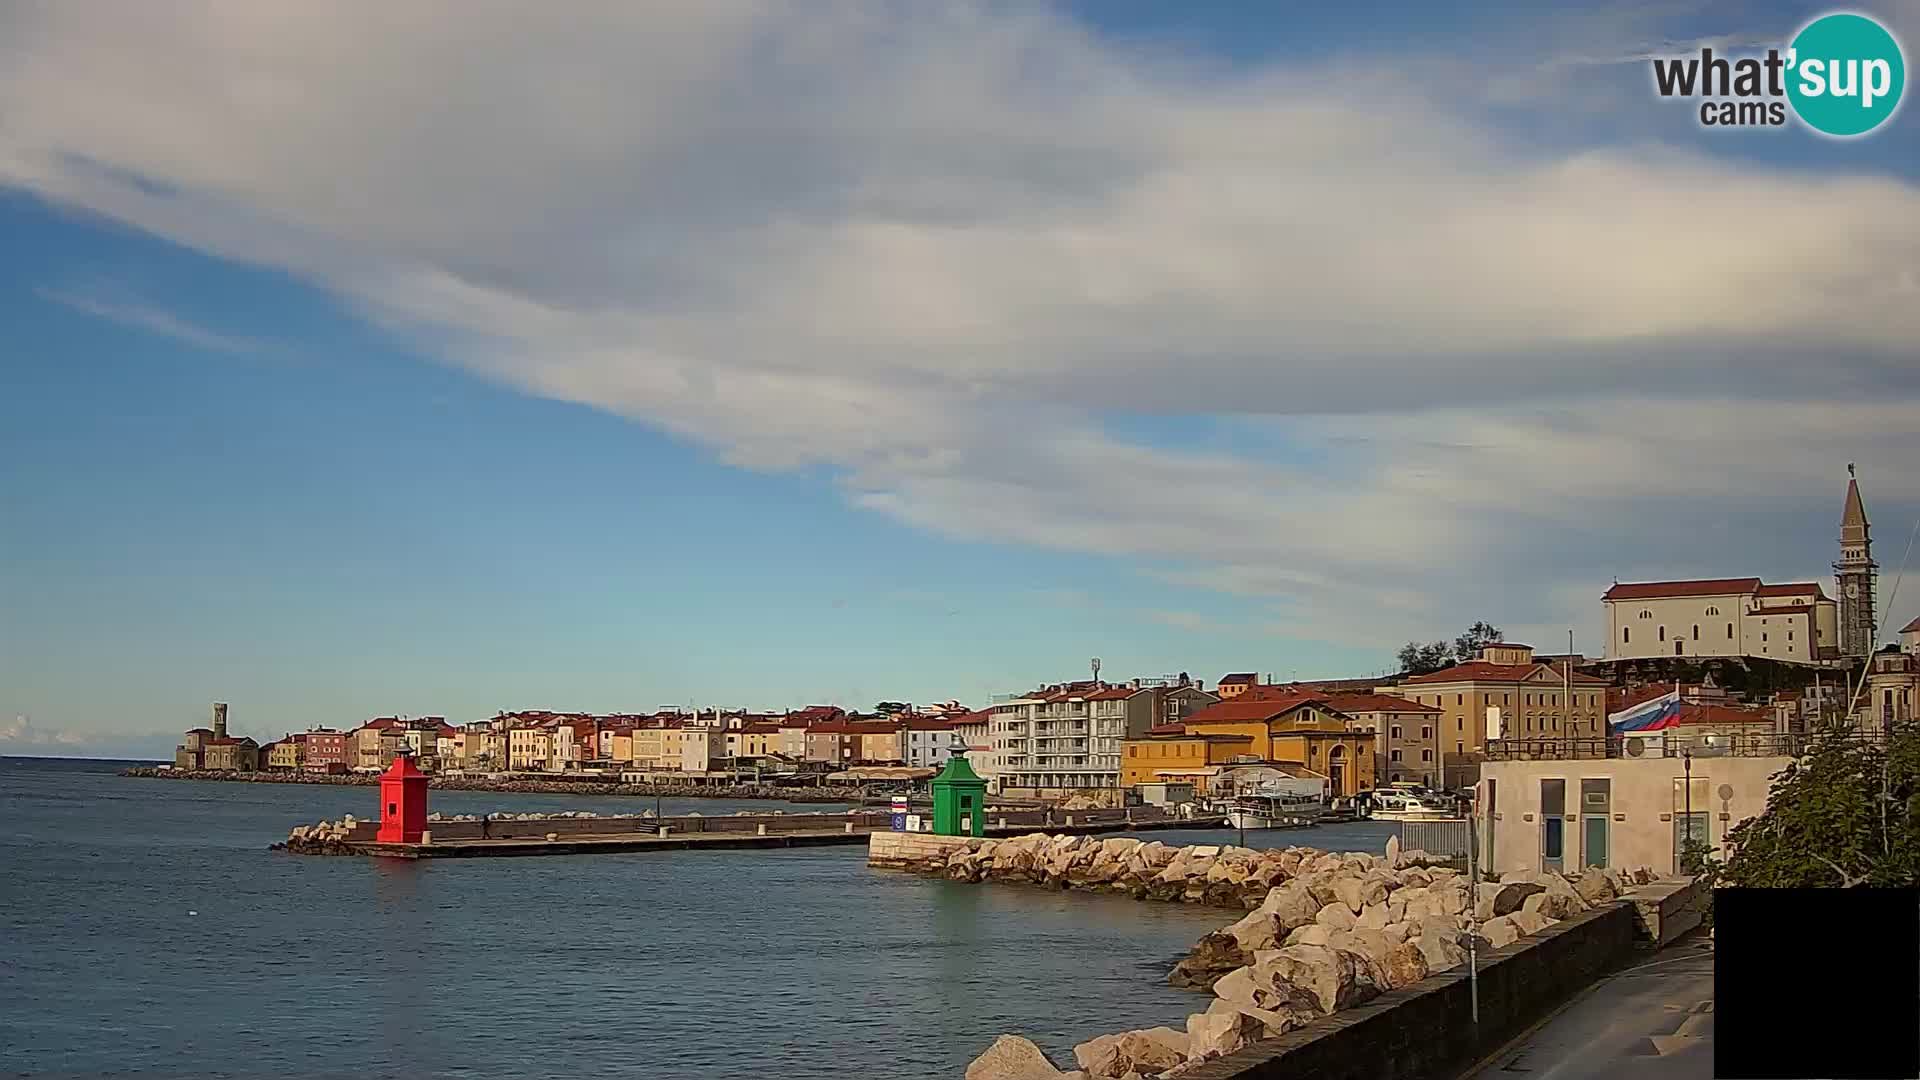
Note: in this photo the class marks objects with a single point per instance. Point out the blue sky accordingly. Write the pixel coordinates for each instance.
(857, 358)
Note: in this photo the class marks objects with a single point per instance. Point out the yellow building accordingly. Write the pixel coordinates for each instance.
(1268, 727)
(1167, 754)
(1508, 691)
(622, 749)
(284, 754)
(529, 748)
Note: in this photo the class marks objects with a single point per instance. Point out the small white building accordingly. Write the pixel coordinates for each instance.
(1724, 617)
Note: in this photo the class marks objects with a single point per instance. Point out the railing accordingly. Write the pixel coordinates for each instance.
(1447, 839)
(1669, 744)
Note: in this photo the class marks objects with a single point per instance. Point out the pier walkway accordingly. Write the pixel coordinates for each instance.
(1652, 1020)
(583, 836)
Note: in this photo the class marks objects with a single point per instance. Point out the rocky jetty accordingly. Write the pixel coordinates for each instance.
(323, 838)
(1325, 931)
(832, 793)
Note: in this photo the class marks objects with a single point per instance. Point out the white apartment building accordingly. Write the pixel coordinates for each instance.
(1721, 617)
(1061, 740)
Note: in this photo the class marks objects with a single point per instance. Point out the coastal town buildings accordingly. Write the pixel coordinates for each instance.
(1562, 805)
(285, 754)
(1721, 618)
(1067, 739)
(1504, 691)
(1890, 692)
(1910, 638)
(1406, 735)
(231, 754)
(1301, 730)
(1236, 683)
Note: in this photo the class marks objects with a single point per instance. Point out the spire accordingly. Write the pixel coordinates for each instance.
(1853, 519)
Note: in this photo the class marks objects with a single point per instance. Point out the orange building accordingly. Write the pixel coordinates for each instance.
(1301, 730)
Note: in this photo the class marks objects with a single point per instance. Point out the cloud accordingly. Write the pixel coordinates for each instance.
(155, 320)
(938, 250)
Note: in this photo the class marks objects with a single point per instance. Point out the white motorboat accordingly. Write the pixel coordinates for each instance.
(1411, 803)
(1275, 810)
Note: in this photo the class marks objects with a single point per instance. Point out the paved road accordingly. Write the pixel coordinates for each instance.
(1653, 1021)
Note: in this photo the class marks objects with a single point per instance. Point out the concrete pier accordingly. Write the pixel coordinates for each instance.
(620, 835)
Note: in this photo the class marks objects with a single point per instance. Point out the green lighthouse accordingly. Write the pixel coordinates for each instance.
(959, 799)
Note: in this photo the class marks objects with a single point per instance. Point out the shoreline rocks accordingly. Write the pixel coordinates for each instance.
(1323, 932)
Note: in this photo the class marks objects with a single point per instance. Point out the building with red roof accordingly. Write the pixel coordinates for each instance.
(1503, 692)
(1721, 617)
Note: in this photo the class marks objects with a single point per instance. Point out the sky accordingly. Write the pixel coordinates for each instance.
(445, 358)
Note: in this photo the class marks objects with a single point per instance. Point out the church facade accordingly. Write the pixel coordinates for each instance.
(1745, 617)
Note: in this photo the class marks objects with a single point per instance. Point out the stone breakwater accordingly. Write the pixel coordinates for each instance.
(827, 794)
(1325, 931)
(332, 837)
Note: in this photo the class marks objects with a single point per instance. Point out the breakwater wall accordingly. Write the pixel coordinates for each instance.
(1324, 933)
(344, 836)
(831, 793)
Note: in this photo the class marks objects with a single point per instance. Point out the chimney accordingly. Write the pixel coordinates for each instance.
(219, 719)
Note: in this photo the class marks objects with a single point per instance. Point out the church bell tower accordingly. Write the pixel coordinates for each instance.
(1855, 573)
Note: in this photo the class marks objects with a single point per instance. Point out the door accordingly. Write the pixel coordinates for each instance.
(1553, 824)
(1596, 812)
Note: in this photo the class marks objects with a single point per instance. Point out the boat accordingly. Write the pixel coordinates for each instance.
(1411, 802)
(1275, 810)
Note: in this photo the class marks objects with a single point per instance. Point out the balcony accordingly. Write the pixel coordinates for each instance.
(1673, 744)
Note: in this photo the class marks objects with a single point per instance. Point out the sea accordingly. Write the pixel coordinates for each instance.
(149, 932)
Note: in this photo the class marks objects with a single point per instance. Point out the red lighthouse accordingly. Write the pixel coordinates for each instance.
(403, 803)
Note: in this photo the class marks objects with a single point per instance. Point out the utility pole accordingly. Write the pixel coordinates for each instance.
(1473, 908)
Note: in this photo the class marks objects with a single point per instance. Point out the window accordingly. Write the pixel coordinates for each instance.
(1394, 754)
(1729, 631)
(1459, 748)
(1763, 635)
(1426, 732)
(1696, 631)
(1426, 755)
(1663, 633)
(1789, 635)
(1713, 611)
(1626, 634)
(1395, 731)
(1646, 614)
(1459, 699)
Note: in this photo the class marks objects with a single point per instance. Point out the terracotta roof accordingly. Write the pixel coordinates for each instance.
(1482, 671)
(1508, 645)
(1175, 728)
(1358, 703)
(1796, 588)
(1911, 628)
(762, 729)
(1238, 677)
(209, 731)
(1112, 693)
(1654, 590)
(1259, 709)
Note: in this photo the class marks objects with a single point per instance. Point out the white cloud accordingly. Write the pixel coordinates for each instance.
(929, 249)
(154, 320)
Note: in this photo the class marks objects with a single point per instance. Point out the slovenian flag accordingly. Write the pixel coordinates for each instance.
(1654, 715)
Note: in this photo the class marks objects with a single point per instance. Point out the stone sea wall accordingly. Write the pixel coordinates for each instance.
(832, 793)
(1323, 932)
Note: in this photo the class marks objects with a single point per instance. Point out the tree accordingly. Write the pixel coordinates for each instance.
(1418, 659)
(1845, 813)
(1478, 636)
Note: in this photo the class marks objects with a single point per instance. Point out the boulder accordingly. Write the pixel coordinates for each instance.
(1406, 964)
(1307, 977)
(1416, 901)
(1012, 1057)
(1375, 917)
(1212, 956)
(1151, 1050)
(1273, 1024)
(1337, 915)
(1500, 932)
(1310, 934)
(1399, 931)
(1442, 951)
(1510, 898)
(1529, 922)
(1449, 899)
(1222, 1029)
(1552, 906)
(1393, 850)
(1348, 891)
(1594, 887)
(1257, 931)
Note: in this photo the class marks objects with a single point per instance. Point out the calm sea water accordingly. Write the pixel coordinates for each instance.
(149, 932)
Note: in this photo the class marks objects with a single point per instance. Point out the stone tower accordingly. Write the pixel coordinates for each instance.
(219, 719)
(1855, 572)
